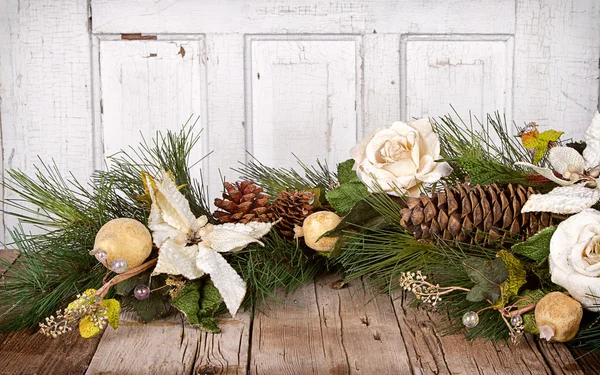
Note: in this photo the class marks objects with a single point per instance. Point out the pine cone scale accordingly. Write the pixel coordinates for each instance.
(242, 203)
(485, 215)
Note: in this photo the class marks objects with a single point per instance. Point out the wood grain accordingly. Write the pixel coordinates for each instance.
(25, 352)
(9, 256)
(320, 330)
(172, 346)
(433, 353)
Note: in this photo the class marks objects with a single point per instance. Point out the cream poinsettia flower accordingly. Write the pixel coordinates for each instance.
(577, 191)
(191, 247)
(400, 159)
(575, 257)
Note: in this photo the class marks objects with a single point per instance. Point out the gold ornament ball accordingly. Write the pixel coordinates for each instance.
(124, 238)
(557, 316)
(317, 224)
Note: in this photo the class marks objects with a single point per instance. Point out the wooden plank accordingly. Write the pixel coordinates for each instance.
(589, 363)
(432, 353)
(320, 330)
(381, 82)
(172, 346)
(316, 16)
(25, 352)
(46, 80)
(8, 255)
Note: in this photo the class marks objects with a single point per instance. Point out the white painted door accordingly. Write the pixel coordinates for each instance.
(282, 77)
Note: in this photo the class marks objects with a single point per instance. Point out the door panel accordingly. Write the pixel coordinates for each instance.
(303, 100)
(149, 85)
(472, 75)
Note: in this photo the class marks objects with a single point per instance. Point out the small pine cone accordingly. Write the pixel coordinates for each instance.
(485, 215)
(242, 203)
(292, 208)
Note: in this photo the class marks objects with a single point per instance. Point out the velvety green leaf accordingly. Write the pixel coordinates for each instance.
(516, 277)
(345, 173)
(537, 247)
(343, 198)
(487, 276)
(199, 300)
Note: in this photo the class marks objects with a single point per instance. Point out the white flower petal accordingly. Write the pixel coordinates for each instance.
(176, 259)
(174, 208)
(441, 169)
(580, 287)
(563, 200)
(429, 140)
(591, 154)
(373, 150)
(567, 267)
(566, 160)
(230, 285)
(224, 240)
(546, 172)
(254, 229)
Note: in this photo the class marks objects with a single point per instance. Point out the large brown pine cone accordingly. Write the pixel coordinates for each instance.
(292, 208)
(242, 203)
(484, 215)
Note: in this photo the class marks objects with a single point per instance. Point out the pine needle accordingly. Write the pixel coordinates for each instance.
(274, 180)
(277, 264)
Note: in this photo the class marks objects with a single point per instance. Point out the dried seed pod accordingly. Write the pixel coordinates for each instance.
(558, 316)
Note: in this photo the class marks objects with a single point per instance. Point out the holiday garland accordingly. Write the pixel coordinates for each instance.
(498, 231)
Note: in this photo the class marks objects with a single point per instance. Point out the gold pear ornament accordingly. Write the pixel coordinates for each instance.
(316, 225)
(122, 244)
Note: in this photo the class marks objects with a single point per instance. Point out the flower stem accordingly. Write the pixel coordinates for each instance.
(124, 276)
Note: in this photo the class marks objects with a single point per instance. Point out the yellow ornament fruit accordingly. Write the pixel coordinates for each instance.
(123, 239)
(317, 224)
(557, 316)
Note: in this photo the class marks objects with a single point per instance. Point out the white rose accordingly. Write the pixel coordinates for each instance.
(575, 257)
(400, 159)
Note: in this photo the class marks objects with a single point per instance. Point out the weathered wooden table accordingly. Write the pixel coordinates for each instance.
(316, 330)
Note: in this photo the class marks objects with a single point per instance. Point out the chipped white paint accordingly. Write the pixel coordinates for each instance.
(45, 83)
(351, 66)
(304, 17)
(472, 73)
(303, 99)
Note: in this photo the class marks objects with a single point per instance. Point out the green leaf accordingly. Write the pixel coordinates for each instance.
(537, 247)
(345, 172)
(125, 287)
(199, 301)
(155, 306)
(516, 277)
(487, 276)
(529, 318)
(361, 215)
(343, 198)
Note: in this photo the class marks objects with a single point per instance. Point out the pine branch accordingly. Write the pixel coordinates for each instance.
(55, 265)
(473, 150)
(274, 180)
